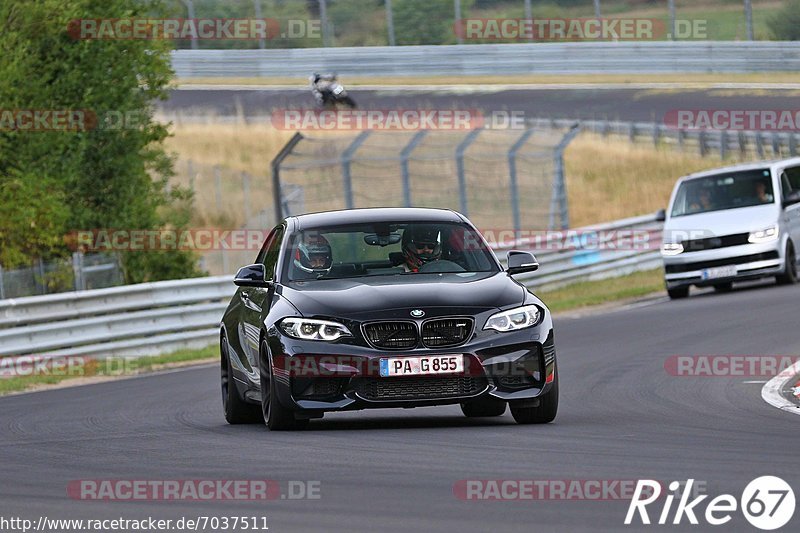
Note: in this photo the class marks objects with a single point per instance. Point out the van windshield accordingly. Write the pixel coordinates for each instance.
(730, 190)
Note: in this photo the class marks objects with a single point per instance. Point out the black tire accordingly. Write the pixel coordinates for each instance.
(544, 413)
(678, 293)
(237, 411)
(484, 407)
(275, 415)
(724, 287)
(789, 276)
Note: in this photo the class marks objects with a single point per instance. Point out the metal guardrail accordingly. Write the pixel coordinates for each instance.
(159, 317)
(494, 59)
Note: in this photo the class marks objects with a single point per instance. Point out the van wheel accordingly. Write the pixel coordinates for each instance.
(789, 276)
(677, 293)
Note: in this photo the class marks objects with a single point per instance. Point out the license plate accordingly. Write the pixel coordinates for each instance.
(719, 272)
(422, 365)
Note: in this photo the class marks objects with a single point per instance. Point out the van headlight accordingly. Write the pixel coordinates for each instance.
(671, 248)
(514, 319)
(314, 330)
(764, 235)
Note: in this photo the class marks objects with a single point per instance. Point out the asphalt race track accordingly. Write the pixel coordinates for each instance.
(622, 417)
(640, 105)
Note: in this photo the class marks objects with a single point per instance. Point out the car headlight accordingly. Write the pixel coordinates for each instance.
(671, 248)
(514, 319)
(314, 330)
(764, 235)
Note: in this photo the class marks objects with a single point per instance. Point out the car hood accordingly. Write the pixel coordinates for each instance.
(726, 222)
(362, 298)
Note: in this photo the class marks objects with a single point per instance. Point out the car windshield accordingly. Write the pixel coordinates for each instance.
(387, 249)
(729, 190)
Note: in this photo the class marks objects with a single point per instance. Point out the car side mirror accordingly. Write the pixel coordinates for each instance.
(661, 215)
(251, 276)
(519, 262)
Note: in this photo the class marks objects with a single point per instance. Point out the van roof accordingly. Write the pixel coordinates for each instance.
(744, 166)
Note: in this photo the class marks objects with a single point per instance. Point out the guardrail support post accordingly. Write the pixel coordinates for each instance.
(462, 178)
(723, 144)
(742, 143)
(405, 153)
(759, 144)
(276, 175)
(701, 141)
(559, 198)
(513, 186)
(347, 159)
(2, 285)
(776, 143)
(792, 144)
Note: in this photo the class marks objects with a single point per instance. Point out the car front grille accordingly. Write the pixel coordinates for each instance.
(688, 267)
(392, 335)
(419, 388)
(443, 332)
(713, 243)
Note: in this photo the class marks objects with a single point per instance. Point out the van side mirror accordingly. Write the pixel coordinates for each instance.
(661, 215)
(519, 262)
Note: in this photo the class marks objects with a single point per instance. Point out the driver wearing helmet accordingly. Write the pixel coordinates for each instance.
(313, 257)
(421, 245)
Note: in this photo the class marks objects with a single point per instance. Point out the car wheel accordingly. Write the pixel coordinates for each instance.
(789, 276)
(723, 287)
(541, 414)
(678, 293)
(275, 415)
(237, 411)
(483, 407)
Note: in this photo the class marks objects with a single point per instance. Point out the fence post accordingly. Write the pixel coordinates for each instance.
(559, 198)
(792, 144)
(77, 270)
(347, 159)
(759, 144)
(632, 132)
(656, 134)
(723, 144)
(512, 173)
(463, 204)
(404, 155)
(2, 284)
(742, 143)
(277, 204)
(776, 143)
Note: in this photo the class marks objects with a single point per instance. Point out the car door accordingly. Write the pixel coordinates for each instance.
(256, 300)
(790, 185)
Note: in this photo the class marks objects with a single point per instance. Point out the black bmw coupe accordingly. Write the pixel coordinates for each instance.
(388, 307)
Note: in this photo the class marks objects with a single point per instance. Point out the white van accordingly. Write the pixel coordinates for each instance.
(732, 224)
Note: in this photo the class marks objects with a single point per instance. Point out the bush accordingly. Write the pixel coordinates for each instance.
(785, 26)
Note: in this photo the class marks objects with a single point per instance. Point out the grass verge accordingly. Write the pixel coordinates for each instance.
(91, 370)
(592, 293)
(696, 80)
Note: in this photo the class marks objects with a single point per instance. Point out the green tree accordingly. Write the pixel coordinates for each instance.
(423, 21)
(112, 174)
(785, 26)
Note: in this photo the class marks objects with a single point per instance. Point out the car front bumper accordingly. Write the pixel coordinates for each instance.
(752, 261)
(319, 377)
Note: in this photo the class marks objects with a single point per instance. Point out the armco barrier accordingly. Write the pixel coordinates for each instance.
(159, 317)
(494, 59)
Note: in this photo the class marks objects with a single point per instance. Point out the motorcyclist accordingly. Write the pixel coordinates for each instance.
(313, 257)
(321, 84)
(420, 245)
